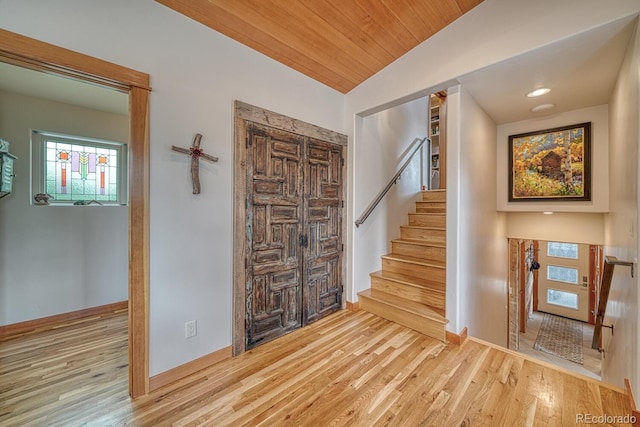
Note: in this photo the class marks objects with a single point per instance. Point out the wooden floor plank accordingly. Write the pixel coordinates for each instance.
(349, 369)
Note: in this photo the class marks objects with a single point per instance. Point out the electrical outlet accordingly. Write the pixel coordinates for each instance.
(190, 329)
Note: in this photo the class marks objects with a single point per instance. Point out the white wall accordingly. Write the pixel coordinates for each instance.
(476, 234)
(599, 118)
(621, 224)
(563, 227)
(491, 32)
(387, 137)
(57, 259)
(196, 74)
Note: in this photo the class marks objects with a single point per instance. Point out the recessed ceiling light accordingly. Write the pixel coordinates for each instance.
(538, 92)
(542, 107)
(547, 213)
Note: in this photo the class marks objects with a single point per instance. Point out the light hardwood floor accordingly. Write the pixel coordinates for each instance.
(348, 369)
(592, 362)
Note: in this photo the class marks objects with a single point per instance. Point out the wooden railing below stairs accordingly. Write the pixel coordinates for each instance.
(609, 264)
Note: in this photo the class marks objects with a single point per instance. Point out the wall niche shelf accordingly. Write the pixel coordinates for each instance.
(436, 142)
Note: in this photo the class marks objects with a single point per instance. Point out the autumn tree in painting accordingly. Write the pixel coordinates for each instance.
(549, 164)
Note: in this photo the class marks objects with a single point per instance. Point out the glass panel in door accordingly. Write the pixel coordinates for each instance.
(564, 280)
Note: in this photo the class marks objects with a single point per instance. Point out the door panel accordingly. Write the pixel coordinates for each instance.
(323, 256)
(564, 280)
(294, 239)
(274, 217)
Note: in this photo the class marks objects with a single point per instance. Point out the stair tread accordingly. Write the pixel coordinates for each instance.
(414, 260)
(401, 278)
(404, 304)
(439, 190)
(424, 227)
(420, 242)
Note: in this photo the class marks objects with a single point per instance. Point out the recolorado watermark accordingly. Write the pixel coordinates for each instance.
(605, 419)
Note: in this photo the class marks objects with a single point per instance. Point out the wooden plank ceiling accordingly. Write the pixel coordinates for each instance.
(339, 43)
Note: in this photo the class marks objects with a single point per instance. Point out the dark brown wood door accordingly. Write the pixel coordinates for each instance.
(323, 210)
(294, 220)
(274, 221)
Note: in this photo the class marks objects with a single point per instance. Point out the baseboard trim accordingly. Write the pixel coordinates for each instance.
(50, 322)
(457, 339)
(635, 411)
(353, 306)
(189, 368)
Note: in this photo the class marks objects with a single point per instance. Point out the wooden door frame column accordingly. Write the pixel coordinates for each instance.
(522, 288)
(244, 113)
(37, 55)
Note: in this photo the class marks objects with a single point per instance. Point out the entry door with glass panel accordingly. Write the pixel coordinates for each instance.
(563, 280)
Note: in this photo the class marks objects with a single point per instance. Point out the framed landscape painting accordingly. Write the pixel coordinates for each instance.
(551, 164)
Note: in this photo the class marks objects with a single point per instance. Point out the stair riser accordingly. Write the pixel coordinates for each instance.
(430, 209)
(425, 272)
(427, 220)
(434, 196)
(419, 251)
(439, 205)
(424, 282)
(432, 298)
(428, 235)
(425, 326)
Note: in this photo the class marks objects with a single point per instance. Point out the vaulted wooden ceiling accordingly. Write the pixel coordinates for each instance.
(340, 43)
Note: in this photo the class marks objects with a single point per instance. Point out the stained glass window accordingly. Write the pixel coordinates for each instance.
(81, 172)
(81, 169)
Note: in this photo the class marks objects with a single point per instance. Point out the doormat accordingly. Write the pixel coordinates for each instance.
(561, 337)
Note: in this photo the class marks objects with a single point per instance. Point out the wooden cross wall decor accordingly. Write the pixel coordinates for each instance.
(195, 152)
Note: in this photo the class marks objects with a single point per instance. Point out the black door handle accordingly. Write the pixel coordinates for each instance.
(303, 240)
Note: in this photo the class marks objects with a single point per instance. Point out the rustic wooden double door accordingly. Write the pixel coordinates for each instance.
(294, 195)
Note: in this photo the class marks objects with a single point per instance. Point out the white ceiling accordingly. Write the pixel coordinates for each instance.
(55, 88)
(580, 71)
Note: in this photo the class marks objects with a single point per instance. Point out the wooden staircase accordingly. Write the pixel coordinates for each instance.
(410, 289)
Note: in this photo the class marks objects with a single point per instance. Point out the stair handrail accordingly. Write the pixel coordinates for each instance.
(393, 180)
(605, 286)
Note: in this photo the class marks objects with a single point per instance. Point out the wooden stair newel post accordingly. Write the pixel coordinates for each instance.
(195, 152)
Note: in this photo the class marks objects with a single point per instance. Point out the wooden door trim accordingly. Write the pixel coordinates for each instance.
(512, 287)
(522, 279)
(536, 249)
(593, 280)
(244, 113)
(37, 55)
(34, 54)
(248, 112)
